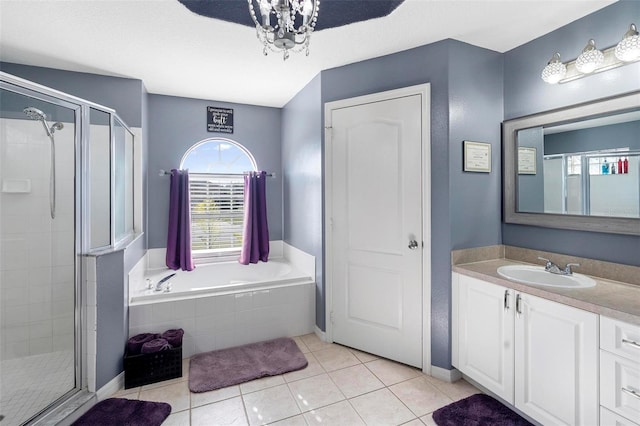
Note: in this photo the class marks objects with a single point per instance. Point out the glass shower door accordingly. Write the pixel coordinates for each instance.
(38, 335)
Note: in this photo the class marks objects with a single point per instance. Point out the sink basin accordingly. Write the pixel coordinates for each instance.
(536, 275)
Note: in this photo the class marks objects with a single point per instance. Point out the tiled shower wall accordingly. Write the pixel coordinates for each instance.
(36, 252)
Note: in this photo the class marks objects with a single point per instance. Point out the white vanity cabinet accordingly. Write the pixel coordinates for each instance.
(539, 355)
(619, 372)
(485, 325)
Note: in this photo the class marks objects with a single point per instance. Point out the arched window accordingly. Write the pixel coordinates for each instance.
(216, 168)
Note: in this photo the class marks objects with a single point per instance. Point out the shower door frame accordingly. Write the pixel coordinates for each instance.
(42, 93)
(81, 109)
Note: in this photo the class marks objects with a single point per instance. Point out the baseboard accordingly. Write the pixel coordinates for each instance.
(450, 376)
(112, 387)
(321, 334)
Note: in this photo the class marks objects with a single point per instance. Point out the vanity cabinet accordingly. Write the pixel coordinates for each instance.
(485, 331)
(540, 356)
(619, 372)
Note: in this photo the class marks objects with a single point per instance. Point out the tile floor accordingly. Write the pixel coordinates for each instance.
(340, 386)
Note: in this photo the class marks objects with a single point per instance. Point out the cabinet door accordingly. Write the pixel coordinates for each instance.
(556, 362)
(485, 335)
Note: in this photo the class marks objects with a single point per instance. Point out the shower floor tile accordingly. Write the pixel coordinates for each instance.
(31, 383)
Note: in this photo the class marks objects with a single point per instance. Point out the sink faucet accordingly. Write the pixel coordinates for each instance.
(555, 269)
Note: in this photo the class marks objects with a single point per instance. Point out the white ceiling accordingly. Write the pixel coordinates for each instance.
(176, 52)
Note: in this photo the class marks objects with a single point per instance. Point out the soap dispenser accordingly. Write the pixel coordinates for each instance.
(605, 167)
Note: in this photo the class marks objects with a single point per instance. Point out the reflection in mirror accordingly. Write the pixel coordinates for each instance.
(576, 167)
(585, 167)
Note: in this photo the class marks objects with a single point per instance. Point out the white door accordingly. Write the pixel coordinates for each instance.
(376, 227)
(556, 362)
(485, 334)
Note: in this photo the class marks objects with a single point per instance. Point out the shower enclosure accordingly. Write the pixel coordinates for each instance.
(57, 156)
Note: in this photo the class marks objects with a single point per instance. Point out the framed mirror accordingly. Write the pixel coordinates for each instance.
(576, 167)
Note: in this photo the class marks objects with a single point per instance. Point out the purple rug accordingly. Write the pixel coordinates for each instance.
(478, 410)
(125, 412)
(226, 367)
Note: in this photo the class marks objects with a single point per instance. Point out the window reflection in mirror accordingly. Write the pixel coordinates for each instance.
(589, 167)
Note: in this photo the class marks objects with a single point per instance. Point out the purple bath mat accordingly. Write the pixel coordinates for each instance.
(226, 367)
(125, 412)
(478, 410)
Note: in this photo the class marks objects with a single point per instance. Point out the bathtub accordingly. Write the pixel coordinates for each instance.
(225, 304)
(218, 278)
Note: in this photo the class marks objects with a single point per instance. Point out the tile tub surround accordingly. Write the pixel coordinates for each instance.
(222, 321)
(364, 390)
(225, 320)
(616, 294)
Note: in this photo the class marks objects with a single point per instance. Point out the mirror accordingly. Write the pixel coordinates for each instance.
(576, 167)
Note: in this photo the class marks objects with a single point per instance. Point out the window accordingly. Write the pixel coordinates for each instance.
(574, 165)
(216, 169)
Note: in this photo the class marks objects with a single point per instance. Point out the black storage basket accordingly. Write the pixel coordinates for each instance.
(144, 369)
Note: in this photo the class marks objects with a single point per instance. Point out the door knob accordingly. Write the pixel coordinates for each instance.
(413, 244)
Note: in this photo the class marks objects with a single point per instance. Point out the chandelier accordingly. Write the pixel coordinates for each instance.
(285, 25)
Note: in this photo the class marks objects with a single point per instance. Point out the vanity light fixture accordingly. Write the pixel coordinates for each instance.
(555, 70)
(628, 49)
(592, 60)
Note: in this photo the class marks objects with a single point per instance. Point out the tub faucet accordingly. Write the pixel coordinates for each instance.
(162, 281)
(555, 269)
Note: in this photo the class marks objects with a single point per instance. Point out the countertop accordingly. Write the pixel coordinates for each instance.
(610, 298)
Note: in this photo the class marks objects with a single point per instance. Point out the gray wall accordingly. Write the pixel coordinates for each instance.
(623, 135)
(175, 124)
(531, 187)
(302, 184)
(122, 94)
(466, 103)
(525, 93)
(112, 325)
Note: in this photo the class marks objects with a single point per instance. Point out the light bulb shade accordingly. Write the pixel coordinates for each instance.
(554, 71)
(628, 50)
(590, 58)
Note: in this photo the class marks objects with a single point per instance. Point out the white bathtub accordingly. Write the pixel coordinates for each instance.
(226, 304)
(218, 278)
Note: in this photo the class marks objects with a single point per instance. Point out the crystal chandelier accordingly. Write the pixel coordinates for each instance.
(293, 22)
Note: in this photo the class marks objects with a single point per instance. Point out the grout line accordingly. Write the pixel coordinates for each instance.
(244, 406)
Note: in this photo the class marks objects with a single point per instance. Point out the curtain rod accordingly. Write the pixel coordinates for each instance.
(166, 173)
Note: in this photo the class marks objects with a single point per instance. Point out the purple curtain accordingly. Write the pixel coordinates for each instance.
(179, 234)
(255, 238)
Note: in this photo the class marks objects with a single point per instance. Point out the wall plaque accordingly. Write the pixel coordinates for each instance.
(219, 120)
(477, 157)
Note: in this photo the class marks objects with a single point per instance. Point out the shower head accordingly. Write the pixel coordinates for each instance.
(34, 113)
